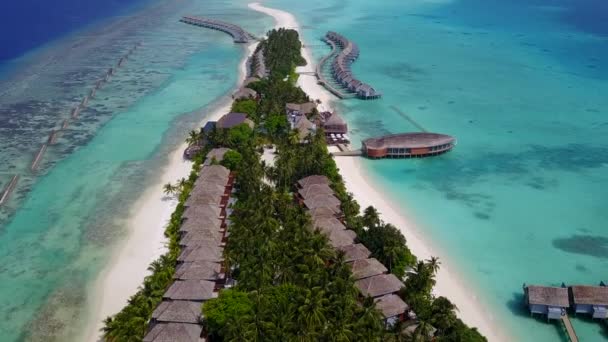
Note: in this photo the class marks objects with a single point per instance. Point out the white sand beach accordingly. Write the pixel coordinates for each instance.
(448, 282)
(146, 242)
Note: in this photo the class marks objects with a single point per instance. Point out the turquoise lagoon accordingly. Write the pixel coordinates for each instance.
(523, 86)
(63, 223)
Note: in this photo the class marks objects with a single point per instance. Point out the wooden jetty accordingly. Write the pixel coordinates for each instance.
(9, 189)
(236, 32)
(341, 70)
(65, 124)
(52, 137)
(75, 111)
(569, 328)
(38, 157)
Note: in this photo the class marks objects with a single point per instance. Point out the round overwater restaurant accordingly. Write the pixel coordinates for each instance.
(408, 145)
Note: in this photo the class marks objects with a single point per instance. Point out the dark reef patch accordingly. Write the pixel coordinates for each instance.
(591, 245)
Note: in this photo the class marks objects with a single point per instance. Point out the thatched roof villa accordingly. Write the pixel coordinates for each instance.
(547, 300)
(200, 270)
(355, 252)
(379, 285)
(182, 332)
(365, 268)
(234, 119)
(178, 311)
(590, 300)
(245, 94)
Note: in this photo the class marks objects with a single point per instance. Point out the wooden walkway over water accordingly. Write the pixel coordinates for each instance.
(238, 34)
(321, 78)
(569, 328)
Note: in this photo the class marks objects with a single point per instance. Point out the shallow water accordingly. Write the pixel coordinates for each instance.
(62, 223)
(522, 86)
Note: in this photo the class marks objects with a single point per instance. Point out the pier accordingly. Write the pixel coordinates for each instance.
(9, 189)
(344, 53)
(38, 157)
(239, 35)
(569, 328)
(321, 78)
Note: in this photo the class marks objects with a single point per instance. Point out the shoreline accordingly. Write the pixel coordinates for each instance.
(449, 284)
(145, 240)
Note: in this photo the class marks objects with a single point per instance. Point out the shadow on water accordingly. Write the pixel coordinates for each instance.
(600, 325)
(518, 308)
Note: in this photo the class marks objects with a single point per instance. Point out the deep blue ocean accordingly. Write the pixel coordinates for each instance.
(522, 85)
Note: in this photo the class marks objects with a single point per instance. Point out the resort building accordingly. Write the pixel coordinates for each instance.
(370, 275)
(335, 128)
(303, 126)
(234, 119)
(392, 308)
(547, 300)
(245, 94)
(407, 145)
(199, 274)
(299, 109)
(216, 154)
(590, 300)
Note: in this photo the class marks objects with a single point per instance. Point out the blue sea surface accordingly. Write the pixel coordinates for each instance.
(523, 86)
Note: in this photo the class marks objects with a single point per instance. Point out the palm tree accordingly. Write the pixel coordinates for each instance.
(193, 138)
(433, 264)
(169, 189)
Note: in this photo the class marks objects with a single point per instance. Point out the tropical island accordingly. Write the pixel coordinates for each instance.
(281, 267)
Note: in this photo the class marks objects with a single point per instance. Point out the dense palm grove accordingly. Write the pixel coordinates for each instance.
(290, 283)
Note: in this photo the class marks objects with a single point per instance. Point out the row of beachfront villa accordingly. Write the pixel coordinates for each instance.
(371, 277)
(199, 273)
(236, 32)
(341, 67)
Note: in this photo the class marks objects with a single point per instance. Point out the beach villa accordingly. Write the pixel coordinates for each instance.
(547, 300)
(590, 300)
(232, 120)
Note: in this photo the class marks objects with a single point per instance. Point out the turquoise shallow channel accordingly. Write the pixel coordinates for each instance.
(521, 84)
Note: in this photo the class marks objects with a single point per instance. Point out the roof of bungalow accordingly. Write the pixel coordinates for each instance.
(303, 108)
(200, 222)
(327, 224)
(318, 201)
(234, 119)
(183, 332)
(203, 198)
(365, 268)
(201, 253)
(212, 170)
(178, 311)
(198, 290)
(335, 120)
(208, 187)
(304, 127)
(391, 305)
(409, 140)
(355, 252)
(217, 153)
(315, 189)
(245, 93)
(322, 212)
(339, 238)
(205, 210)
(250, 80)
(548, 295)
(379, 285)
(593, 295)
(201, 237)
(316, 179)
(201, 270)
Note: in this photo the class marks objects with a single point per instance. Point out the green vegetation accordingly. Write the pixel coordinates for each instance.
(290, 284)
(131, 323)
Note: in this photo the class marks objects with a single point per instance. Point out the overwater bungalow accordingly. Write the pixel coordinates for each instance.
(547, 300)
(335, 128)
(234, 119)
(365, 268)
(183, 332)
(590, 300)
(200, 270)
(177, 311)
(355, 252)
(407, 145)
(379, 285)
(393, 308)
